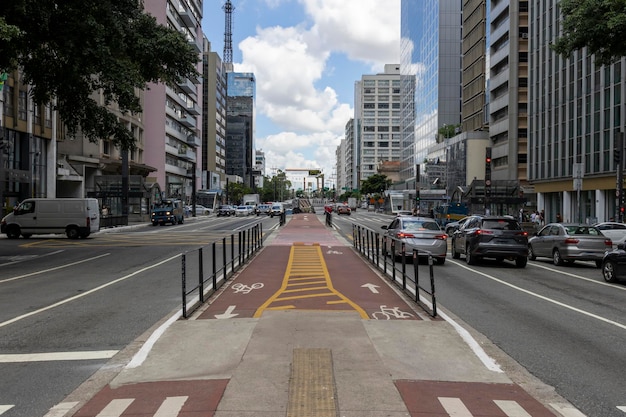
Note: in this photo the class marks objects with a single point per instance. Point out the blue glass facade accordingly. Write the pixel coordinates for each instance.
(431, 53)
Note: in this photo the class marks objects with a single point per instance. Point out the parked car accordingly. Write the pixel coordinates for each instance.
(452, 226)
(421, 233)
(200, 210)
(569, 242)
(241, 211)
(343, 209)
(498, 237)
(225, 210)
(614, 231)
(263, 209)
(614, 264)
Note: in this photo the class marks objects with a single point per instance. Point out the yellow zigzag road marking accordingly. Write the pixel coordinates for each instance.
(306, 270)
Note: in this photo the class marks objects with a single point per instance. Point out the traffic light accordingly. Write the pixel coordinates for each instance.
(487, 163)
(417, 196)
(617, 156)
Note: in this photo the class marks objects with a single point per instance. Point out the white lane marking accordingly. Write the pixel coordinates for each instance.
(44, 271)
(542, 297)
(567, 410)
(115, 408)
(171, 406)
(142, 354)
(622, 408)
(487, 360)
(5, 408)
(454, 407)
(19, 259)
(76, 297)
(511, 408)
(569, 274)
(61, 409)
(57, 356)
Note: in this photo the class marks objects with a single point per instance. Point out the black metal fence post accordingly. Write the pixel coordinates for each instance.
(200, 275)
(224, 262)
(184, 278)
(416, 274)
(214, 274)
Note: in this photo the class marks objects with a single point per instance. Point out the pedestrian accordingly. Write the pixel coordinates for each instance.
(542, 217)
(559, 219)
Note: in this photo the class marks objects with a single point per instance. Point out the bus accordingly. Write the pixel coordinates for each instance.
(210, 199)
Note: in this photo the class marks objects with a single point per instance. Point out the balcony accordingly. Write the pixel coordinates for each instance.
(188, 121)
(187, 17)
(193, 109)
(188, 87)
(193, 140)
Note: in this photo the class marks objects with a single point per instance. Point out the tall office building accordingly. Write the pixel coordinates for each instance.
(430, 56)
(377, 112)
(241, 90)
(213, 121)
(508, 89)
(173, 127)
(576, 111)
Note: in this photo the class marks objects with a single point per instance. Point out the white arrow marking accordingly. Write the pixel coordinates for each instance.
(227, 314)
(4, 408)
(371, 287)
(622, 408)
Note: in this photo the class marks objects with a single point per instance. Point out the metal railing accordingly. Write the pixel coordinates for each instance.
(372, 245)
(233, 257)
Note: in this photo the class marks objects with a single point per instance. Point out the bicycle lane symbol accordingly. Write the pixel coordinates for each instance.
(388, 313)
(246, 289)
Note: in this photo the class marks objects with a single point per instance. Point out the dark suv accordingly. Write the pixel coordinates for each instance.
(498, 237)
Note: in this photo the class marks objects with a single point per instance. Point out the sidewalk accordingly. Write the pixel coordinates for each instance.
(294, 334)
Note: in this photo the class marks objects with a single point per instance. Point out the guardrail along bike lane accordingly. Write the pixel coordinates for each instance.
(308, 328)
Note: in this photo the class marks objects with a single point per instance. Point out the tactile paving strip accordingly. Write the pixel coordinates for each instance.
(312, 391)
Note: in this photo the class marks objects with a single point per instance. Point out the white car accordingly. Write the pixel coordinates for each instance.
(242, 211)
(200, 210)
(613, 230)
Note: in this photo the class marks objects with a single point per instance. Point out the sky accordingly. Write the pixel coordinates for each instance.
(306, 56)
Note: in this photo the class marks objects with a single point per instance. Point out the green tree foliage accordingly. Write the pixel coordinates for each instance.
(276, 188)
(375, 184)
(236, 191)
(69, 49)
(598, 25)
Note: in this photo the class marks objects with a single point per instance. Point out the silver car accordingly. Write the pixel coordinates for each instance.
(422, 233)
(569, 242)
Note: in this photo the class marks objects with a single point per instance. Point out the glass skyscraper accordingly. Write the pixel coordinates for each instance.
(430, 66)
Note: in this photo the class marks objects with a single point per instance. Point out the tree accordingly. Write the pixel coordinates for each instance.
(236, 191)
(375, 184)
(67, 50)
(598, 25)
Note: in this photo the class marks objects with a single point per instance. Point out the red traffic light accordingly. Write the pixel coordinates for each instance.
(488, 160)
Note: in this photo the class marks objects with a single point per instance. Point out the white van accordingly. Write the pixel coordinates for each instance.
(76, 217)
(277, 209)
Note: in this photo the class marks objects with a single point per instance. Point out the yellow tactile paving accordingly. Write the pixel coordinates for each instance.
(312, 390)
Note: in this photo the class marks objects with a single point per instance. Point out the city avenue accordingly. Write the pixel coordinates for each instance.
(70, 306)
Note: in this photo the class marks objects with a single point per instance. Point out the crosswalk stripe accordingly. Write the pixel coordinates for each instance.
(454, 407)
(115, 408)
(61, 409)
(171, 406)
(5, 408)
(567, 410)
(511, 408)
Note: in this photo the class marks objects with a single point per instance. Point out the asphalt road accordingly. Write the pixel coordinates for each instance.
(69, 305)
(565, 325)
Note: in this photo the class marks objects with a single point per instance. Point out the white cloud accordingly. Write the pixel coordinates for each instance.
(289, 64)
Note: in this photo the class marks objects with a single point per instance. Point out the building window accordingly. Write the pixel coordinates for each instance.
(22, 105)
